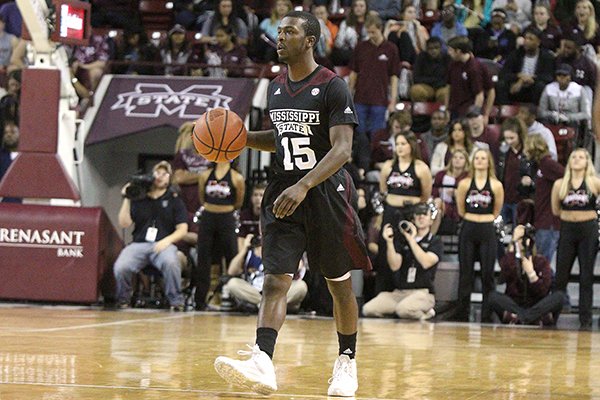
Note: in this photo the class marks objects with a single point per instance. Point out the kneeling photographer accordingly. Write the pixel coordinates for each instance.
(413, 253)
(160, 219)
(527, 299)
(246, 277)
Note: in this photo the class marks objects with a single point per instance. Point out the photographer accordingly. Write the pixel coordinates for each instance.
(247, 277)
(413, 253)
(159, 220)
(528, 278)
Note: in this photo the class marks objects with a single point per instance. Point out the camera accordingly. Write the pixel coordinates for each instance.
(256, 241)
(404, 225)
(139, 185)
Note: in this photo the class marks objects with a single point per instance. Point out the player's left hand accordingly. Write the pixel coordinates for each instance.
(287, 202)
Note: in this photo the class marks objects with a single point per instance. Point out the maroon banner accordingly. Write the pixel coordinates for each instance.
(137, 103)
(62, 254)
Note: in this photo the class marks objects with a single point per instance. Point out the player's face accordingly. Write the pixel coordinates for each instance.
(481, 161)
(292, 42)
(578, 161)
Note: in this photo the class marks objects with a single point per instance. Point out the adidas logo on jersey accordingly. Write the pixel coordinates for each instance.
(348, 352)
(348, 110)
(278, 91)
(340, 188)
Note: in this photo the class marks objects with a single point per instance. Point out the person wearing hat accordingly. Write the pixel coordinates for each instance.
(564, 101)
(518, 12)
(176, 51)
(501, 41)
(412, 254)
(159, 220)
(448, 27)
(584, 69)
(526, 71)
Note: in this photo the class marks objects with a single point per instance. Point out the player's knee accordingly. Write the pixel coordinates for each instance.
(276, 285)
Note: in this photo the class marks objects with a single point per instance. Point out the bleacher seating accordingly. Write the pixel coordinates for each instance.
(156, 14)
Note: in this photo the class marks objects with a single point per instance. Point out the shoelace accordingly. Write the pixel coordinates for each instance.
(343, 368)
(254, 351)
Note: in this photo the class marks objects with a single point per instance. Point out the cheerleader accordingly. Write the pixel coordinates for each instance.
(407, 181)
(221, 192)
(479, 199)
(574, 202)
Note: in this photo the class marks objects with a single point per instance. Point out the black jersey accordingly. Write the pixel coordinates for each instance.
(480, 201)
(220, 191)
(580, 199)
(404, 183)
(302, 113)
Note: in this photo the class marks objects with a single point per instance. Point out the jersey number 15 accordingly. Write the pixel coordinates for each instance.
(300, 153)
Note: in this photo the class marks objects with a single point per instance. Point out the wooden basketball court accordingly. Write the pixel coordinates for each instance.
(61, 353)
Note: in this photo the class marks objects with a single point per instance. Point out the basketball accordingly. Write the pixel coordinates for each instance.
(219, 135)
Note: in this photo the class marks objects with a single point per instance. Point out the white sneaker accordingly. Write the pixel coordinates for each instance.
(256, 373)
(428, 315)
(344, 382)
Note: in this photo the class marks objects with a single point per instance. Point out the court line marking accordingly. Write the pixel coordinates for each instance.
(102, 324)
(211, 392)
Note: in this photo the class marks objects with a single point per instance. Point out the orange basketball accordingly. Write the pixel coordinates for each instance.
(219, 135)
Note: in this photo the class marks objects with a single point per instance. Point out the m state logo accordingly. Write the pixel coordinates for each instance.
(149, 100)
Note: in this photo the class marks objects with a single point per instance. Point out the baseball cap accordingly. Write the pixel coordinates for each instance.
(177, 28)
(474, 111)
(163, 165)
(564, 69)
(500, 12)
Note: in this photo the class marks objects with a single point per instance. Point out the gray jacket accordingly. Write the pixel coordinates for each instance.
(572, 103)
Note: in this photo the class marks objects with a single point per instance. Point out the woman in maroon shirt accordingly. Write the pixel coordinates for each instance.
(513, 137)
(547, 225)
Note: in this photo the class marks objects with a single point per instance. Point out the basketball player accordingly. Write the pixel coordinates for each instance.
(309, 204)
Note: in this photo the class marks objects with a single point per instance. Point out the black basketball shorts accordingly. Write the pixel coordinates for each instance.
(325, 225)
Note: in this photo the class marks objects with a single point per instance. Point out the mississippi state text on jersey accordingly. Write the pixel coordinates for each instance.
(302, 113)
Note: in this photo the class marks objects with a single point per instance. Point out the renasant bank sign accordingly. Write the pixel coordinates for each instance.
(63, 243)
(132, 104)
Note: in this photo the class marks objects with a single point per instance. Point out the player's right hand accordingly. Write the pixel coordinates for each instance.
(287, 202)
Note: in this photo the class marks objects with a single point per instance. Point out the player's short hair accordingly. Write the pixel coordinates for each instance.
(462, 43)
(310, 25)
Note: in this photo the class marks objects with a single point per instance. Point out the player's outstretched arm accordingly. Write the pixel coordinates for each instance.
(261, 140)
